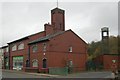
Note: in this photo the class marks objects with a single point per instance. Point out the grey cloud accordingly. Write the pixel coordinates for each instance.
(84, 18)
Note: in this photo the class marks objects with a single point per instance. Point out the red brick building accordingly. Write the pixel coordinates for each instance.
(5, 57)
(109, 61)
(53, 47)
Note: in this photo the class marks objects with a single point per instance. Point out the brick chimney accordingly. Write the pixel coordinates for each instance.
(48, 29)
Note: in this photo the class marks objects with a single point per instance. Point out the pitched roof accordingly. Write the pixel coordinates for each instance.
(46, 38)
(78, 36)
(4, 46)
(57, 9)
(24, 38)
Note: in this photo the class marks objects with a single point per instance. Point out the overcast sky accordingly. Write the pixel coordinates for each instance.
(20, 19)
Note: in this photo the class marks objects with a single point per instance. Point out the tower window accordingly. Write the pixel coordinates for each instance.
(105, 34)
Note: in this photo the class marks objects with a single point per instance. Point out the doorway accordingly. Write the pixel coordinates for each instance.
(27, 63)
(44, 63)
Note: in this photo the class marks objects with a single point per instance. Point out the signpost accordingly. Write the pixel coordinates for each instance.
(114, 65)
(114, 68)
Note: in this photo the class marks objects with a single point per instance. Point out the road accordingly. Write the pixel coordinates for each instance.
(18, 74)
(15, 74)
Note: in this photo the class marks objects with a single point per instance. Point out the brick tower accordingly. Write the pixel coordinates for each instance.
(105, 40)
(58, 19)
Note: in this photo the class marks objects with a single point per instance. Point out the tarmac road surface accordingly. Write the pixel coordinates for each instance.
(84, 75)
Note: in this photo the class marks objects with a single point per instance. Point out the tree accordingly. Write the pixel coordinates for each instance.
(110, 46)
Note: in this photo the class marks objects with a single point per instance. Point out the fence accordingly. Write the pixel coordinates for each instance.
(58, 70)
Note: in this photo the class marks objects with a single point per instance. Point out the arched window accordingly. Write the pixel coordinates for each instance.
(35, 63)
(7, 49)
(21, 46)
(14, 48)
(44, 63)
(34, 48)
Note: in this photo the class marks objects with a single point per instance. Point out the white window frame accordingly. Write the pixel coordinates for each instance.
(21, 46)
(70, 49)
(34, 46)
(44, 46)
(2, 50)
(7, 49)
(34, 63)
(14, 47)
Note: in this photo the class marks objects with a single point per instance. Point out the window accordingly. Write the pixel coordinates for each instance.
(70, 63)
(21, 46)
(7, 49)
(70, 49)
(44, 63)
(44, 46)
(35, 63)
(18, 62)
(2, 50)
(14, 48)
(34, 48)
